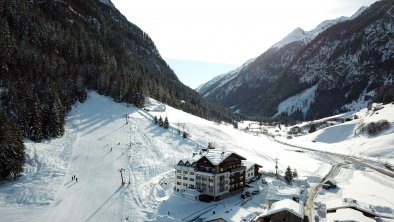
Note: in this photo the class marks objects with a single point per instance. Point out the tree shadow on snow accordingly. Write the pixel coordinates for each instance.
(107, 202)
(384, 209)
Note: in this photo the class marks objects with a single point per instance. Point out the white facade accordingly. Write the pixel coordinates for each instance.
(185, 177)
(249, 173)
(206, 175)
(251, 169)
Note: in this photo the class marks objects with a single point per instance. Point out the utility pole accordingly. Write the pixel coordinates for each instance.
(129, 175)
(276, 167)
(121, 175)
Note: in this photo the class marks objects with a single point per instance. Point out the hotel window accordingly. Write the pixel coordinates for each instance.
(178, 183)
(191, 173)
(185, 178)
(191, 179)
(178, 177)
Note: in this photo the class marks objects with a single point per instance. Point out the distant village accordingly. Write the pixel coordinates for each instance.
(213, 175)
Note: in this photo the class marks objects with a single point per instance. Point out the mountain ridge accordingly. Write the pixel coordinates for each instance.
(286, 70)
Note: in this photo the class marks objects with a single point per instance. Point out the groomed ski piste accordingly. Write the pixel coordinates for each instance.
(102, 137)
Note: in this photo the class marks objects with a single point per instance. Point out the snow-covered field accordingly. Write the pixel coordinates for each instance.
(103, 137)
(346, 138)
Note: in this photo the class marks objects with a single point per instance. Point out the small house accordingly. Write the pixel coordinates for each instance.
(252, 170)
(348, 203)
(329, 184)
(276, 194)
(295, 130)
(224, 213)
(377, 106)
(348, 214)
(283, 210)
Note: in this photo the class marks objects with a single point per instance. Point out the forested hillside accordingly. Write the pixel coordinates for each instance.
(53, 51)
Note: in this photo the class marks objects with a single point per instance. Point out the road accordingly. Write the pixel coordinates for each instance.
(351, 159)
(315, 189)
(332, 173)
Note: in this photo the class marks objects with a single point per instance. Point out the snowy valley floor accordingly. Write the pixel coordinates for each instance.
(103, 137)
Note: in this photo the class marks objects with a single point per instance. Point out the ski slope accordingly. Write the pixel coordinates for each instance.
(103, 137)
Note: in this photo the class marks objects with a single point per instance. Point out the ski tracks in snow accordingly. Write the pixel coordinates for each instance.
(143, 153)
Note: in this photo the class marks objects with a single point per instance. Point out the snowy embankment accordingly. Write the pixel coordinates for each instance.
(103, 137)
(348, 139)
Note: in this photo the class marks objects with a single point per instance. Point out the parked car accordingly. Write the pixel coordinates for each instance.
(247, 193)
(255, 192)
(243, 196)
(263, 181)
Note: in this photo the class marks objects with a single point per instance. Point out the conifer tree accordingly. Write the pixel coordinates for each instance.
(288, 175)
(35, 131)
(155, 121)
(295, 174)
(160, 122)
(166, 124)
(12, 154)
(312, 128)
(6, 43)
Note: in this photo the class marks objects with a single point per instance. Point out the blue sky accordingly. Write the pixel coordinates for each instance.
(204, 38)
(195, 73)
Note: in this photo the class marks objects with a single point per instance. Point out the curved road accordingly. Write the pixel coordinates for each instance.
(352, 159)
(315, 189)
(332, 173)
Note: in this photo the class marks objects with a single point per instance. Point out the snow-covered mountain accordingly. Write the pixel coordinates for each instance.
(299, 35)
(343, 64)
